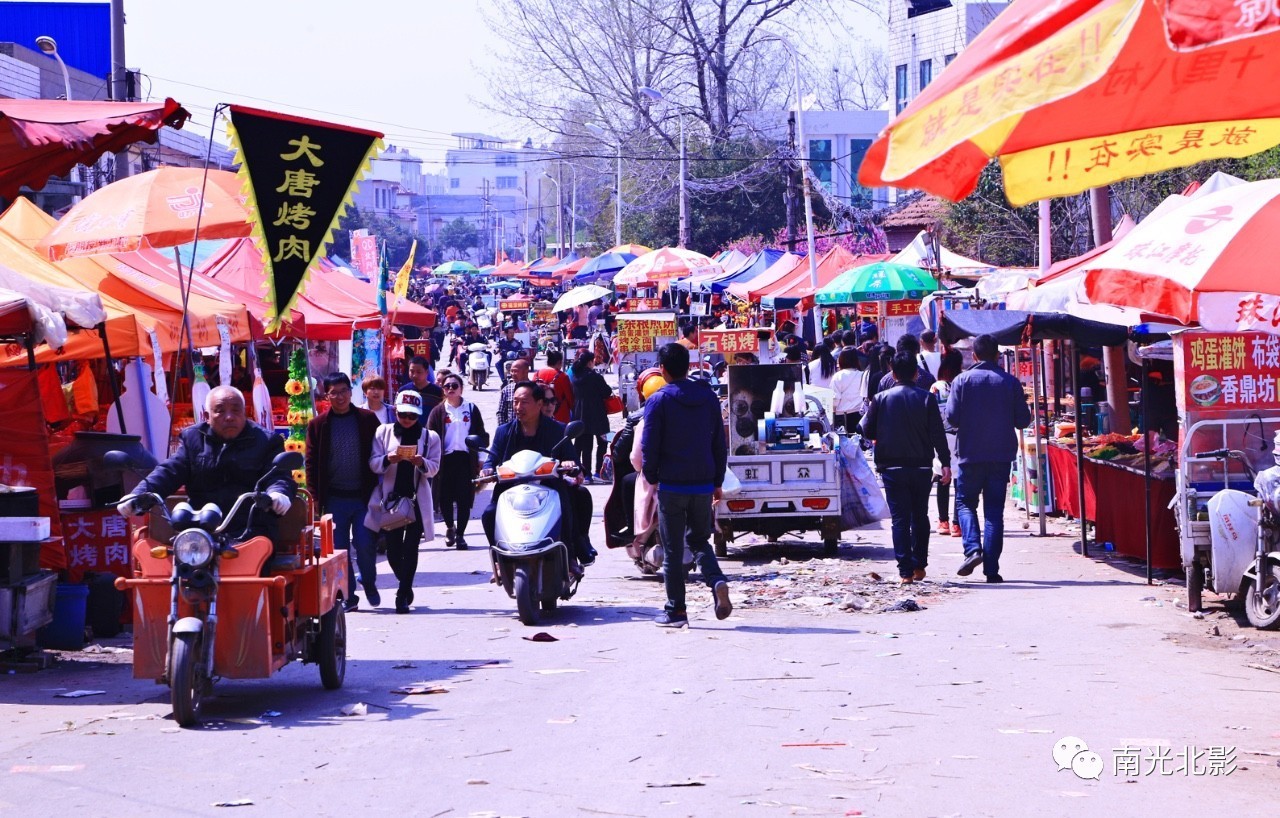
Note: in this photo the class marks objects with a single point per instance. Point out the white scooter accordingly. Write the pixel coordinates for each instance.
(478, 364)
(531, 560)
(1244, 556)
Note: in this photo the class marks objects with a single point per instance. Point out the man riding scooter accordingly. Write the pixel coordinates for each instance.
(220, 459)
(531, 430)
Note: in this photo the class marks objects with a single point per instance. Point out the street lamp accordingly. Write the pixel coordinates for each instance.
(50, 47)
(559, 213)
(804, 176)
(617, 213)
(657, 96)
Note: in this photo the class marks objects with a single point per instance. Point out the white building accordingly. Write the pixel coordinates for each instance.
(484, 165)
(926, 35)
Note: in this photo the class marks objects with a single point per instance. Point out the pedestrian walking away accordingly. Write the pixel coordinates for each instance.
(407, 455)
(906, 425)
(849, 391)
(453, 421)
(590, 392)
(684, 453)
(985, 407)
(951, 364)
(339, 445)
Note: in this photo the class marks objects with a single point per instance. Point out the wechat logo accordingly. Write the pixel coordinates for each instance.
(1071, 753)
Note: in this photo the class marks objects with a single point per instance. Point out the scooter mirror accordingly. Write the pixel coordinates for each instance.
(475, 442)
(574, 429)
(115, 460)
(288, 461)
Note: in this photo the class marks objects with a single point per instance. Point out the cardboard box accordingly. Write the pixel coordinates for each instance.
(27, 606)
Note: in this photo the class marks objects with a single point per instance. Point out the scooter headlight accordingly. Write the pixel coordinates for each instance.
(527, 500)
(193, 547)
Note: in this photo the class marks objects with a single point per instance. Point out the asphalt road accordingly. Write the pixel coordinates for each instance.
(792, 706)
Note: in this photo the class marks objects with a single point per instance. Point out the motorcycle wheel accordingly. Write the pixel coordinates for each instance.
(1195, 587)
(186, 688)
(526, 605)
(331, 648)
(1262, 605)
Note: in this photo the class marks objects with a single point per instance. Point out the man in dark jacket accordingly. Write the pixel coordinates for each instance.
(985, 407)
(339, 446)
(906, 425)
(220, 459)
(910, 345)
(536, 432)
(684, 453)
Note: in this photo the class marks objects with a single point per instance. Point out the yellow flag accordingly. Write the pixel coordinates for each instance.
(402, 278)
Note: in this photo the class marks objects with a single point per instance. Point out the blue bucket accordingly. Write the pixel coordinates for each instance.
(66, 631)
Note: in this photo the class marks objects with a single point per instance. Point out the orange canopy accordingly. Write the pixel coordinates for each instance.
(27, 223)
(799, 282)
(127, 326)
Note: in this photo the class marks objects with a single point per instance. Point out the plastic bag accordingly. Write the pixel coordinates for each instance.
(861, 500)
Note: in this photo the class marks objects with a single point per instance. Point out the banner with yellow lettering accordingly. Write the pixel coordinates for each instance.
(298, 176)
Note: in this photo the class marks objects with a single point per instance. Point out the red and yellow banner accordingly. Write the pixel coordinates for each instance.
(638, 334)
(729, 341)
(1226, 371)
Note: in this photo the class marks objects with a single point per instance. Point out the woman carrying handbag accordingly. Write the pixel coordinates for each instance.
(407, 455)
(452, 421)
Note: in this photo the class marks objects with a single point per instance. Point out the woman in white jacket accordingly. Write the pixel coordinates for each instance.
(407, 455)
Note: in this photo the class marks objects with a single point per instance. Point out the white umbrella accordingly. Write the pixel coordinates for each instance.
(579, 296)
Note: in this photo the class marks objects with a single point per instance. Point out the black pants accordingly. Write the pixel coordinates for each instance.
(575, 525)
(402, 555)
(685, 518)
(453, 486)
(946, 511)
(848, 420)
(584, 445)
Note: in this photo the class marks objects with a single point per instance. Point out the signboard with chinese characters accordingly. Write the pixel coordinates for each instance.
(299, 174)
(643, 304)
(364, 253)
(728, 342)
(514, 305)
(1227, 371)
(96, 542)
(901, 309)
(643, 332)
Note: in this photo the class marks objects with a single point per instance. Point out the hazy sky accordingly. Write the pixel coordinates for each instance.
(403, 67)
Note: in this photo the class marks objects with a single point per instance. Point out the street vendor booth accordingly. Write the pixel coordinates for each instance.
(1101, 466)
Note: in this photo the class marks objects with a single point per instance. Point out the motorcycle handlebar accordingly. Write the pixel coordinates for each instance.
(1219, 454)
(258, 497)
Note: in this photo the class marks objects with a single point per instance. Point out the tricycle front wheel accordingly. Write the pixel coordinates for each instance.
(186, 687)
(331, 647)
(1195, 587)
(1262, 604)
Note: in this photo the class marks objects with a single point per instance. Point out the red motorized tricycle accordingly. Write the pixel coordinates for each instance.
(205, 607)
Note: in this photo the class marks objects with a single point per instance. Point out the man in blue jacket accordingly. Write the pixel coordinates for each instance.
(985, 407)
(906, 425)
(684, 453)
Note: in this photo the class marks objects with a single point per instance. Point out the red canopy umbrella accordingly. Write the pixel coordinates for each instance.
(40, 138)
(1076, 94)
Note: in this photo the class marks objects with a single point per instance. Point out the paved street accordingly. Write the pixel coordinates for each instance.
(789, 707)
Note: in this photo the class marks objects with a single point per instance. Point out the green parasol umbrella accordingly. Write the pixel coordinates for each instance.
(454, 268)
(880, 281)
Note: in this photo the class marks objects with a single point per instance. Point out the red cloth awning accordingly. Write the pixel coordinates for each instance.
(40, 138)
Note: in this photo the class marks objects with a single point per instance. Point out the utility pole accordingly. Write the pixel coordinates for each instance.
(560, 209)
(791, 187)
(684, 207)
(119, 76)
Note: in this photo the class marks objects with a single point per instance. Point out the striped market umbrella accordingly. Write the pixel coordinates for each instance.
(879, 281)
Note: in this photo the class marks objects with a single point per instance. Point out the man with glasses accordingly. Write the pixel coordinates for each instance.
(339, 445)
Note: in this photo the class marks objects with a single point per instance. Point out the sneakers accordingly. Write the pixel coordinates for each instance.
(970, 562)
(459, 542)
(723, 606)
(955, 530)
(918, 574)
(351, 603)
(905, 580)
(672, 620)
(944, 529)
(994, 578)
